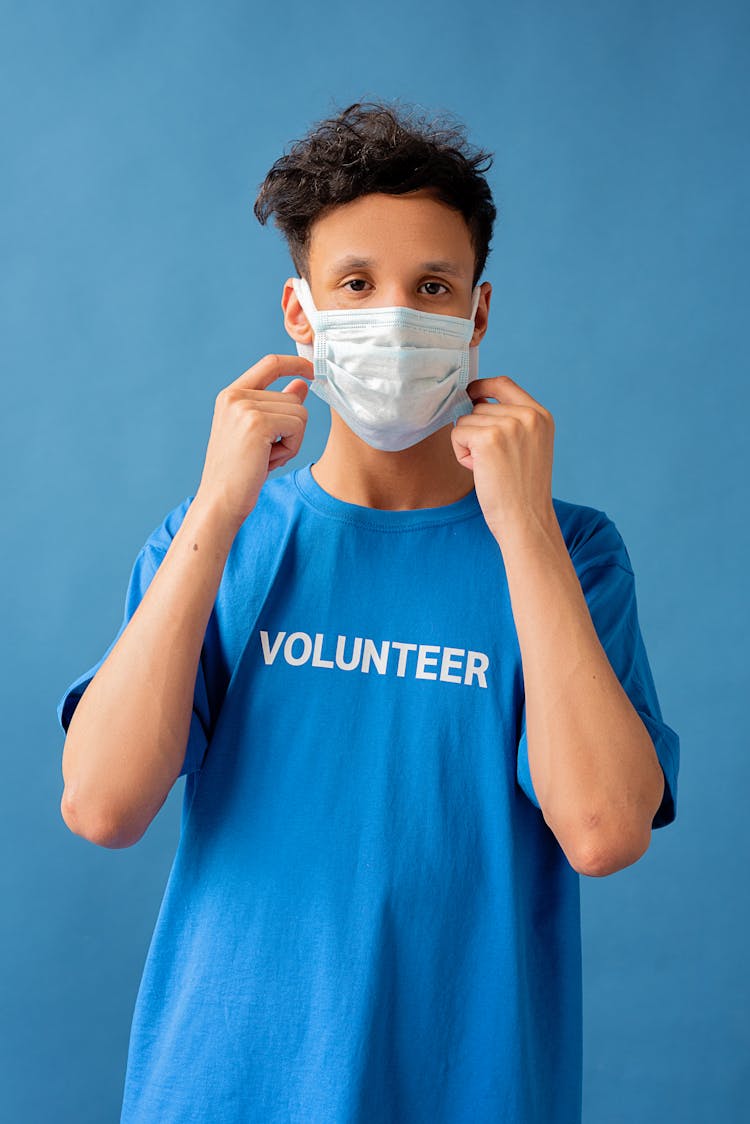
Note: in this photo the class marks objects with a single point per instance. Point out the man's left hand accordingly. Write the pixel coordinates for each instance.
(508, 445)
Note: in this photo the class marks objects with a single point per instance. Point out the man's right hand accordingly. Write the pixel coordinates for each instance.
(242, 447)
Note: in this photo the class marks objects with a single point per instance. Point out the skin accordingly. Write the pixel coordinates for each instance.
(399, 233)
(592, 762)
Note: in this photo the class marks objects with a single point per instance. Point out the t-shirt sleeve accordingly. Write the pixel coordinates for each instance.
(147, 562)
(606, 575)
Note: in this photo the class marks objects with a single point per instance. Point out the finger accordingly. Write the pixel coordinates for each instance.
(281, 404)
(480, 399)
(276, 459)
(504, 389)
(285, 441)
(270, 368)
(278, 397)
(478, 420)
(460, 442)
(298, 388)
(495, 413)
(286, 426)
(482, 407)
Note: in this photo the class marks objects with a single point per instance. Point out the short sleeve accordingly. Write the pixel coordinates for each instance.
(608, 583)
(145, 566)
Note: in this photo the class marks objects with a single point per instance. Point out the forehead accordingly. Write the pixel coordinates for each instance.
(378, 228)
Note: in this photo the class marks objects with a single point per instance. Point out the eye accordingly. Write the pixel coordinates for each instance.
(436, 283)
(361, 281)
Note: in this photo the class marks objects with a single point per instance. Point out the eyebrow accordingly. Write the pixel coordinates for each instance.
(354, 262)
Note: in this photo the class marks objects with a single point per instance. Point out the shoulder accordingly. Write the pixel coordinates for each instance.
(591, 536)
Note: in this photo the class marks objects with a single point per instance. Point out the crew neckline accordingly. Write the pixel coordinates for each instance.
(378, 518)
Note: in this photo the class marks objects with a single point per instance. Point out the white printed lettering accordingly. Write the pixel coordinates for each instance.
(403, 655)
(300, 648)
(306, 648)
(269, 654)
(379, 658)
(356, 653)
(476, 664)
(317, 660)
(423, 659)
(450, 661)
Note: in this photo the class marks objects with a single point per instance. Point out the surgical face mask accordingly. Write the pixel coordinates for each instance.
(395, 375)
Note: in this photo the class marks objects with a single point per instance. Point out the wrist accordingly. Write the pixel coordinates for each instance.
(530, 530)
(210, 522)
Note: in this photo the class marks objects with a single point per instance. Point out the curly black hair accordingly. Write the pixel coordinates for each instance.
(377, 147)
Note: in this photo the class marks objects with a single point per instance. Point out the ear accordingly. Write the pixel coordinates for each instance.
(481, 320)
(295, 321)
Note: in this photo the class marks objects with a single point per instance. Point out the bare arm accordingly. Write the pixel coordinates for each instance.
(127, 738)
(593, 765)
(592, 761)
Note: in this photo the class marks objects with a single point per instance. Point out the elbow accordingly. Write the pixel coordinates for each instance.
(598, 852)
(98, 830)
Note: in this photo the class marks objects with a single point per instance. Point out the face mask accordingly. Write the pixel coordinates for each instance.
(395, 375)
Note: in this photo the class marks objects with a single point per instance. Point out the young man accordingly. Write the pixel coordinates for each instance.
(406, 686)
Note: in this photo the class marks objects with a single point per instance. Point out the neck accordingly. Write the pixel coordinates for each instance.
(424, 475)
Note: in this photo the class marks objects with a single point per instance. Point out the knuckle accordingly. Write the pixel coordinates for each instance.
(488, 437)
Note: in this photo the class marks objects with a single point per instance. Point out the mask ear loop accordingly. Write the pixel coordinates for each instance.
(474, 351)
(304, 296)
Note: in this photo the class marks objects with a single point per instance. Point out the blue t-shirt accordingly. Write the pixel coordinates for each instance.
(367, 920)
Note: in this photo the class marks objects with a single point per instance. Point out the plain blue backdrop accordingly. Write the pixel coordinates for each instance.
(136, 283)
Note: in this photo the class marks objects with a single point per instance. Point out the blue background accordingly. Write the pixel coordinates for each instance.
(136, 283)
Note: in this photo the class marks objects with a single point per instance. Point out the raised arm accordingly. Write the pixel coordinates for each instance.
(128, 735)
